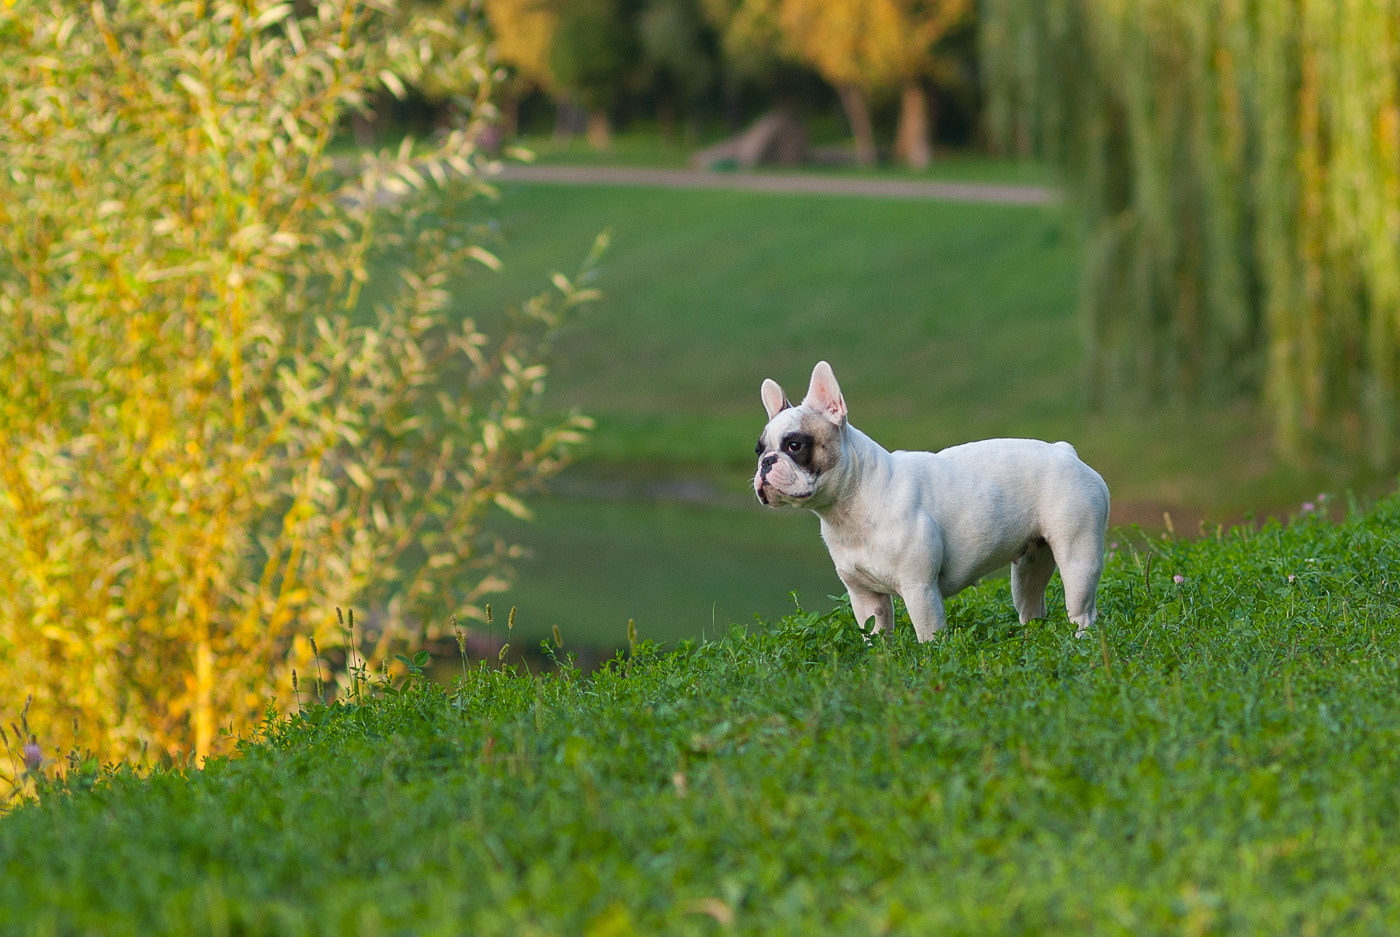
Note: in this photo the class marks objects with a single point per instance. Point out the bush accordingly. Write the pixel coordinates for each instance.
(206, 441)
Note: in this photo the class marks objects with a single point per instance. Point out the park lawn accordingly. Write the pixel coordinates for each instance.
(945, 322)
(707, 292)
(1222, 755)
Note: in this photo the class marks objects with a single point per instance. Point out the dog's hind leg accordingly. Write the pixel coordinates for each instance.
(1030, 574)
(1081, 578)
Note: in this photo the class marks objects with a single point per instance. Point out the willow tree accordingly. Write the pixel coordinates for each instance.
(1237, 167)
(210, 436)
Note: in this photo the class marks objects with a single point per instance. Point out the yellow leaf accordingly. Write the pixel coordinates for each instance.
(192, 85)
(514, 506)
(484, 257)
(393, 83)
(271, 15)
(358, 476)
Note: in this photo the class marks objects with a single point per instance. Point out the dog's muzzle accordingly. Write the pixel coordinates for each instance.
(760, 481)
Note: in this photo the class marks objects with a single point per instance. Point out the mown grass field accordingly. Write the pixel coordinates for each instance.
(1221, 756)
(945, 322)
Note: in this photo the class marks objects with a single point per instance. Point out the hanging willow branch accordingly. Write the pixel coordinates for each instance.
(1236, 164)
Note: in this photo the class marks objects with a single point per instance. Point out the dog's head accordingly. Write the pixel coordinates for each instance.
(801, 444)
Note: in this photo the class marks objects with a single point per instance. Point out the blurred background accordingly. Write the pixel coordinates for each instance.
(1205, 302)
(269, 349)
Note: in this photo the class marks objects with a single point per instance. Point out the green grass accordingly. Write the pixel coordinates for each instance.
(709, 292)
(945, 322)
(680, 570)
(1221, 756)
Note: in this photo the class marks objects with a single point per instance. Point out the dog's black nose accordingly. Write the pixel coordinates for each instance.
(768, 461)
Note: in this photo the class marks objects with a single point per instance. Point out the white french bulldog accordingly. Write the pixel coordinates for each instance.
(925, 525)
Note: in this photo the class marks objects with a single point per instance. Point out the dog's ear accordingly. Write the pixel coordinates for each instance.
(824, 394)
(774, 400)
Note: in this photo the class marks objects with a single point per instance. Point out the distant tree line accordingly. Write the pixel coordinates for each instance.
(687, 61)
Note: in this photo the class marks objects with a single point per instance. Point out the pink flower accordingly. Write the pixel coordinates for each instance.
(1178, 579)
(1309, 507)
(33, 756)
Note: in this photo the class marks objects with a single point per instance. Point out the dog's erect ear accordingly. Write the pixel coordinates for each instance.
(774, 400)
(824, 394)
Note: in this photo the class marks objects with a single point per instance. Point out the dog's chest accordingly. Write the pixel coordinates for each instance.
(860, 576)
(866, 558)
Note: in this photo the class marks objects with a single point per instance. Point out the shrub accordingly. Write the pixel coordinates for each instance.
(207, 442)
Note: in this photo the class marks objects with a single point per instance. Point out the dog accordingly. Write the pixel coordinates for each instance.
(925, 525)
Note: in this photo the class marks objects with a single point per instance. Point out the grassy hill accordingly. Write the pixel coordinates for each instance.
(945, 322)
(1221, 756)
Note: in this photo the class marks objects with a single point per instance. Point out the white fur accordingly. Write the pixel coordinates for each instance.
(925, 525)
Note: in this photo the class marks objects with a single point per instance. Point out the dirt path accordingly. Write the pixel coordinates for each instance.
(782, 182)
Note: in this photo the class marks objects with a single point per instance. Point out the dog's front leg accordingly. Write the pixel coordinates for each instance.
(868, 605)
(926, 611)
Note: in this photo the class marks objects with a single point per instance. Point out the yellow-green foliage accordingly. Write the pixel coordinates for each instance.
(206, 445)
(1238, 167)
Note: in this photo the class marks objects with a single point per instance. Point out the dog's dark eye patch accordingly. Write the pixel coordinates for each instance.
(758, 449)
(798, 447)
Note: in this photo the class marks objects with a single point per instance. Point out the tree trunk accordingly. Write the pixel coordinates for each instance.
(913, 142)
(510, 116)
(568, 119)
(666, 120)
(857, 106)
(362, 125)
(599, 129)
